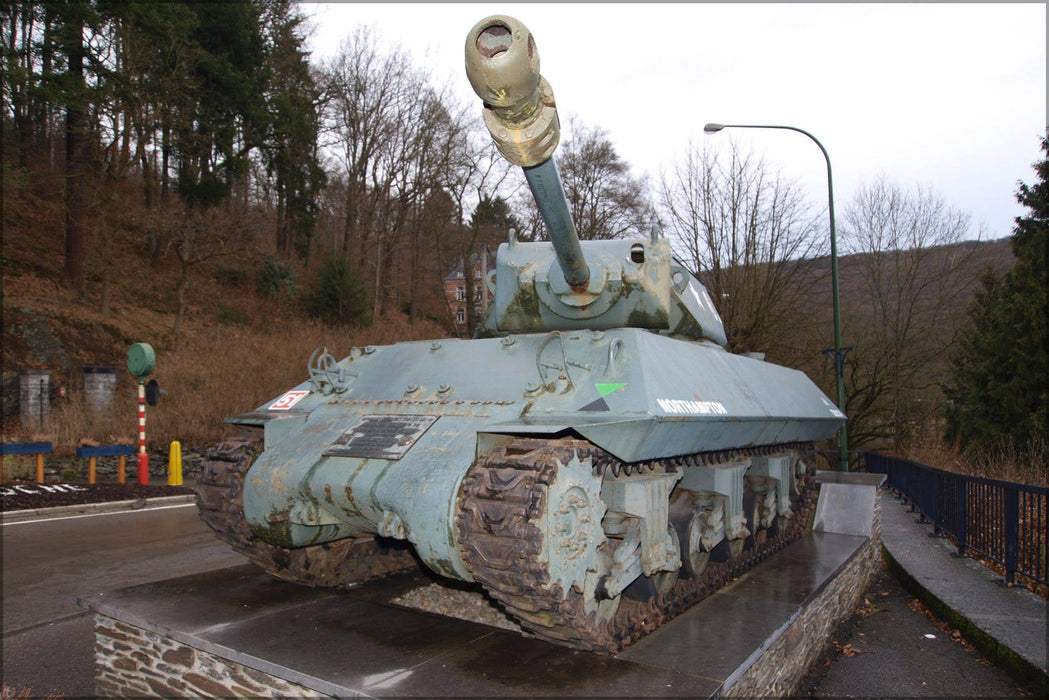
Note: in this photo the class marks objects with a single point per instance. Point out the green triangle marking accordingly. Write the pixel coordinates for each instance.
(606, 389)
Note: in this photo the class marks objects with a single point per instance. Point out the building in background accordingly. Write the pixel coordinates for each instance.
(455, 287)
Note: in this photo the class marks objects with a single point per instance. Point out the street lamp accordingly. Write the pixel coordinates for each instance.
(839, 354)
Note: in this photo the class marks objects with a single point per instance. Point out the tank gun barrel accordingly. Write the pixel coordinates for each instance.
(502, 64)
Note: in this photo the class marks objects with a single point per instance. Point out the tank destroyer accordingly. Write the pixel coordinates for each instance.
(595, 459)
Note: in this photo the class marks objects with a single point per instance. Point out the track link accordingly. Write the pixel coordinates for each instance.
(220, 491)
(504, 493)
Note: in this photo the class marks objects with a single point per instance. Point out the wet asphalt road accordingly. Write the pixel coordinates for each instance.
(48, 640)
(888, 649)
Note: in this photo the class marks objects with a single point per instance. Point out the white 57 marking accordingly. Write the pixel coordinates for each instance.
(288, 400)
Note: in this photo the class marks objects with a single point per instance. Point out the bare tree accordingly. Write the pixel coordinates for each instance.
(388, 127)
(914, 265)
(432, 148)
(750, 235)
(199, 234)
(368, 93)
(605, 198)
(477, 172)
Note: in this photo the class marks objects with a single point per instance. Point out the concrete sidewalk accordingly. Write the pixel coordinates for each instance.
(1007, 624)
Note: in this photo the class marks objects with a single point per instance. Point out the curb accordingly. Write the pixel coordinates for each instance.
(17, 516)
(993, 649)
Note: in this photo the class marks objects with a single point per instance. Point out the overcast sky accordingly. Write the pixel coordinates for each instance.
(951, 97)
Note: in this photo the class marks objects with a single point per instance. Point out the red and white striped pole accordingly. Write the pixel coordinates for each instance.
(140, 362)
(143, 458)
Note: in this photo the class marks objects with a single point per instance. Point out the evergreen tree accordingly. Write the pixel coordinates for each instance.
(221, 112)
(337, 294)
(999, 389)
(493, 211)
(290, 148)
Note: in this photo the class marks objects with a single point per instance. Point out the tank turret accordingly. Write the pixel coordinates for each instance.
(576, 284)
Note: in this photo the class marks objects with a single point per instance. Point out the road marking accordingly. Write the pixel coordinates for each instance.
(92, 515)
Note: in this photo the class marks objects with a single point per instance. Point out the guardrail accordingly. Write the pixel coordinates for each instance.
(1005, 522)
(93, 453)
(27, 448)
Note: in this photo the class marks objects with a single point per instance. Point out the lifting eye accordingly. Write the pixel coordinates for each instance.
(637, 253)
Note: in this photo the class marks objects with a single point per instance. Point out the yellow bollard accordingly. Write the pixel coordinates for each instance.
(175, 464)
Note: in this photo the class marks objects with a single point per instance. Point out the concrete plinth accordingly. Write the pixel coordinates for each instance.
(237, 632)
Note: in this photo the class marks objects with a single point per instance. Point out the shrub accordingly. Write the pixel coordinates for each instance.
(277, 279)
(230, 276)
(17, 467)
(337, 294)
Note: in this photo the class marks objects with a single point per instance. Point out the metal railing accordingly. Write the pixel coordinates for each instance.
(1004, 522)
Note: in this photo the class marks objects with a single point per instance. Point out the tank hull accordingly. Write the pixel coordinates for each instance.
(388, 454)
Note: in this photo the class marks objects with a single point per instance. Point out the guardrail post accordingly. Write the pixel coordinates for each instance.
(922, 492)
(938, 505)
(907, 479)
(1012, 533)
(907, 486)
(961, 511)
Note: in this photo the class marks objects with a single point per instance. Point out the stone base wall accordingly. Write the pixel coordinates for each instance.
(778, 670)
(131, 661)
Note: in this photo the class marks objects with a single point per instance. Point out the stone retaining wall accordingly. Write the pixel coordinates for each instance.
(132, 661)
(780, 667)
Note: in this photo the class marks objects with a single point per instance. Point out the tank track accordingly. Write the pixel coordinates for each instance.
(504, 491)
(220, 504)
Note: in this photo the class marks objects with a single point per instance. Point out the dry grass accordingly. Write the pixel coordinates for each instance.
(215, 372)
(214, 375)
(237, 349)
(1026, 465)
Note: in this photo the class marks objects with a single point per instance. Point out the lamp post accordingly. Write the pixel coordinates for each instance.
(839, 354)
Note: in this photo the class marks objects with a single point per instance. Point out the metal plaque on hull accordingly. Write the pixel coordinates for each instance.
(380, 437)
